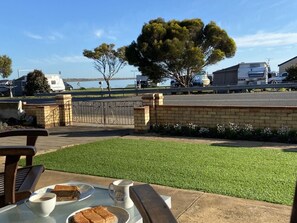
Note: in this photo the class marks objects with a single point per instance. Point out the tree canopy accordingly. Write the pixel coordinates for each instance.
(5, 66)
(107, 60)
(292, 73)
(178, 49)
(36, 83)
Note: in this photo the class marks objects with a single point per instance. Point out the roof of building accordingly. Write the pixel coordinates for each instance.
(235, 67)
(287, 61)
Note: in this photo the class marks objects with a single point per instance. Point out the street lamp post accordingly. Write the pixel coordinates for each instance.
(135, 83)
(23, 70)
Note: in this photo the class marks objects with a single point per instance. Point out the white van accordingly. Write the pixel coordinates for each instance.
(55, 82)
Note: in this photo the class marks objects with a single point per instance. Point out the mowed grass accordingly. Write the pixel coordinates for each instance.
(259, 174)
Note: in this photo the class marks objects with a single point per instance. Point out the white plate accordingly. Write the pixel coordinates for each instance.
(85, 190)
(121, 214)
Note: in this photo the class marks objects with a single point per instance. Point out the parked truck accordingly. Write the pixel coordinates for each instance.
(143, 81)
(279, 78)
(201, 79)
(242, 74)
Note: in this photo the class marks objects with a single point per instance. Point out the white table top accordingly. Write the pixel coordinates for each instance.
(22, 214)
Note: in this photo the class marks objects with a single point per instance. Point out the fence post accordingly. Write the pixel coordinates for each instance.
(104, 112)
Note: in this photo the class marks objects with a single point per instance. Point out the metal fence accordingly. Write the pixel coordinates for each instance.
(168, 90)
(105, 112)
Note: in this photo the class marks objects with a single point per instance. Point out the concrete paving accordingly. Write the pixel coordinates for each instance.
(187, 205)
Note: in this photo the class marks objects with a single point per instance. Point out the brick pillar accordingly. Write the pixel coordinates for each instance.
(41, 116)
(159, 99)
(142, 119)
(148, 100)
(146, 115)
(65, 106)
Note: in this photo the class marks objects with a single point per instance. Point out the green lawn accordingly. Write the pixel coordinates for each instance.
(260, 174)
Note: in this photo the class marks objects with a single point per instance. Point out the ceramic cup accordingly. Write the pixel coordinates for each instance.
(119, 193)
(42, 204)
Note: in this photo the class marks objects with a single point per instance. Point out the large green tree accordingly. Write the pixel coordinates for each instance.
(5, 66)
(107, 60)
(178, 49)
(36, 83)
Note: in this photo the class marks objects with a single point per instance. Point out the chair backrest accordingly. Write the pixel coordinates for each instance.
(31, 134)
(294, 207)
(18, 183)
(151, 205)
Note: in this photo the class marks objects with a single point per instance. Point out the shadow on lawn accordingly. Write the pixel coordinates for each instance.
(290, 150)
(255, 144)
(71, 131)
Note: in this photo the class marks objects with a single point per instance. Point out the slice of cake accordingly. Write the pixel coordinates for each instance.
(97, 214)
(79, 218)
(92, 216)
(104, 213)
(66, 192)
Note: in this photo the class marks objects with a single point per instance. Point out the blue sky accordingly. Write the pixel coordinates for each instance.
(51, 35)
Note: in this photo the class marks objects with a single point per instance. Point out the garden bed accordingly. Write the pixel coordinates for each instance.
(231, 131)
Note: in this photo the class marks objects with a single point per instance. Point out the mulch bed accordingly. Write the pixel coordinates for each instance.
(12, 127)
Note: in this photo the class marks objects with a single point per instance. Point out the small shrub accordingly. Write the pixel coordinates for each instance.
(247, 130)
(221, 129)
(203, 131)
(232, 131)
(176, 129)
(283, 133)
(292, 136)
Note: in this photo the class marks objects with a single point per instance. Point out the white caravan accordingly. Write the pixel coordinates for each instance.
(55, 82)
(253, 73)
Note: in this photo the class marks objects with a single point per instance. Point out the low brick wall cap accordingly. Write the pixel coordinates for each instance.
(148, 96)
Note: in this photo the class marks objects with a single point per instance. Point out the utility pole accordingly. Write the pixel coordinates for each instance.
(134, 73)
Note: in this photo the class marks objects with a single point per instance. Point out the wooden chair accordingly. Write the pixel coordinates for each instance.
(151, 205)
(19, 183)
(294, 208)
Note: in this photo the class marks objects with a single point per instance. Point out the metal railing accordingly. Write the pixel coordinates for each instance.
(214, 89)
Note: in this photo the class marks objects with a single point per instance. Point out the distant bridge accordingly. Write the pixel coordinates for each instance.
(96, 79)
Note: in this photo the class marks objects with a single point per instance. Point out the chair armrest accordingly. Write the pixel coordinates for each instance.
(25, 132)
(151, 205)
(17, 150)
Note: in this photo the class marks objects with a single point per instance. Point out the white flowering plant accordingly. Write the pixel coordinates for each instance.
(230, 131)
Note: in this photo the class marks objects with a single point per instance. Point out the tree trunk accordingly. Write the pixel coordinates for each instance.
(108, 87)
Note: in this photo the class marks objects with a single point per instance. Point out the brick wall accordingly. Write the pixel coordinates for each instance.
(47, 115)
(210, 116)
